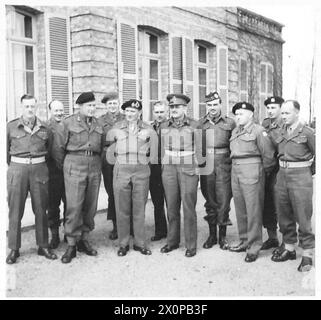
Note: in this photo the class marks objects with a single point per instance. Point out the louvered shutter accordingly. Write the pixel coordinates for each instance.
(222, 76)
(177, 65)
(188, 74)
(127, 61)
(243, 80)
(58, 64)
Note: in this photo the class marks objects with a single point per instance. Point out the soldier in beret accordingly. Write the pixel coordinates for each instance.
(56, 177)
(180, 145)
(252, 154)
(272, 125)
(107, 120)
(216, 186)
(78, 150)
(294, 186)
(28, 144)
(131, 141)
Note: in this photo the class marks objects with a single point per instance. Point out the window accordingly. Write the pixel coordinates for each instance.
(266, 86)
(202, 73)
(243, 80)
(148, 70)
(21, 52)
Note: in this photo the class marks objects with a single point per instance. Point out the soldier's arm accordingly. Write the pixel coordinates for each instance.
(311, 144)
(8, 145)
(153, 147)
(110, 145)
(60, 139)
(200, 146)
(267, 150)
(50, 142)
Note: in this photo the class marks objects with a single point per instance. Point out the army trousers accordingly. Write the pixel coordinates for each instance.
(158, 198)
(180, 184)
(131, 184)
(248, 194)
(293, 195)
(269, 211)
(217, 191)
(82, 176)
(56, 188)
(21, 179)
(107, 171)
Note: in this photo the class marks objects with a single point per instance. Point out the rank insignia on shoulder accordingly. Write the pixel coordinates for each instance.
(264, 134)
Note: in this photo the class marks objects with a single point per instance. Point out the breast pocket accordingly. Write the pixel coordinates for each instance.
(298, 146)
(96, 136)
(247, 143)
(78, 135)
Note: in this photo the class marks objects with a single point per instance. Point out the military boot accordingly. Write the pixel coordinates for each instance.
(212, 238)
(55, 240)
(222, 238)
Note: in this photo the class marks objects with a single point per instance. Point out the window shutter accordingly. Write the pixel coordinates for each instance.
(58, 64)
(177, 65)
(222, 76)
(127, 61)
(188, 74)
(243, 80)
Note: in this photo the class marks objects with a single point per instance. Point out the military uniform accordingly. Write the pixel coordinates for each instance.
(252, 152)
(180, 150)
(132, 148)
(27, 149)
(108, 120)
(272, 127)
(79, 148)
(157, 193)
(294, 186)
(216, 186)
(56, 185)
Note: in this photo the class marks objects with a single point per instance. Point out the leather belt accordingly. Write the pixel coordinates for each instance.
(87, 153)
(298, 164)
(28, 160)
(217, 150)
(179, 153)
(246, 160)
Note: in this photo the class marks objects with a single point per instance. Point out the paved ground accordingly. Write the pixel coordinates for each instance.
(210, 273)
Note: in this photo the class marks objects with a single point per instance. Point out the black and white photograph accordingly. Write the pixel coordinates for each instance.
(160, 150)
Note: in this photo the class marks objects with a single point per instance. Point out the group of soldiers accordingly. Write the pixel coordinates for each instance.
(266, 169)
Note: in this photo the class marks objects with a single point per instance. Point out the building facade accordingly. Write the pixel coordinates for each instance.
(141, 52)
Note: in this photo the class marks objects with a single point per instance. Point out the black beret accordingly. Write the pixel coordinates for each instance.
(243, 105)
(109, 96)
(133, 103)
(85, 97)
(273, 99)
(177, 99)
(212, 96)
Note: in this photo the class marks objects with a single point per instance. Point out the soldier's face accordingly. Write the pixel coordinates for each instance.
(132, 114)
(159, 112)
(112, 105)
(289, 114)
(88, 109)
(243, 117)
(177, 111)
(57, 110)
(28, 108)
(273, 110)
(213, 108)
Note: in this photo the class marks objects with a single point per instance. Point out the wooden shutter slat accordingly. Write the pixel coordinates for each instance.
(177, 58)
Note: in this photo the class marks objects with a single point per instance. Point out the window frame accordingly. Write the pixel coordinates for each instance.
(265, 94)
(199, 65)
(11, 41)
(243, 92)
(145, 56)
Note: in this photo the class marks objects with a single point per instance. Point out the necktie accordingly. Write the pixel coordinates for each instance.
(89, 121)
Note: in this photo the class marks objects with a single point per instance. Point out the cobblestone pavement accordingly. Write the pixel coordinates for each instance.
(210, 273)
